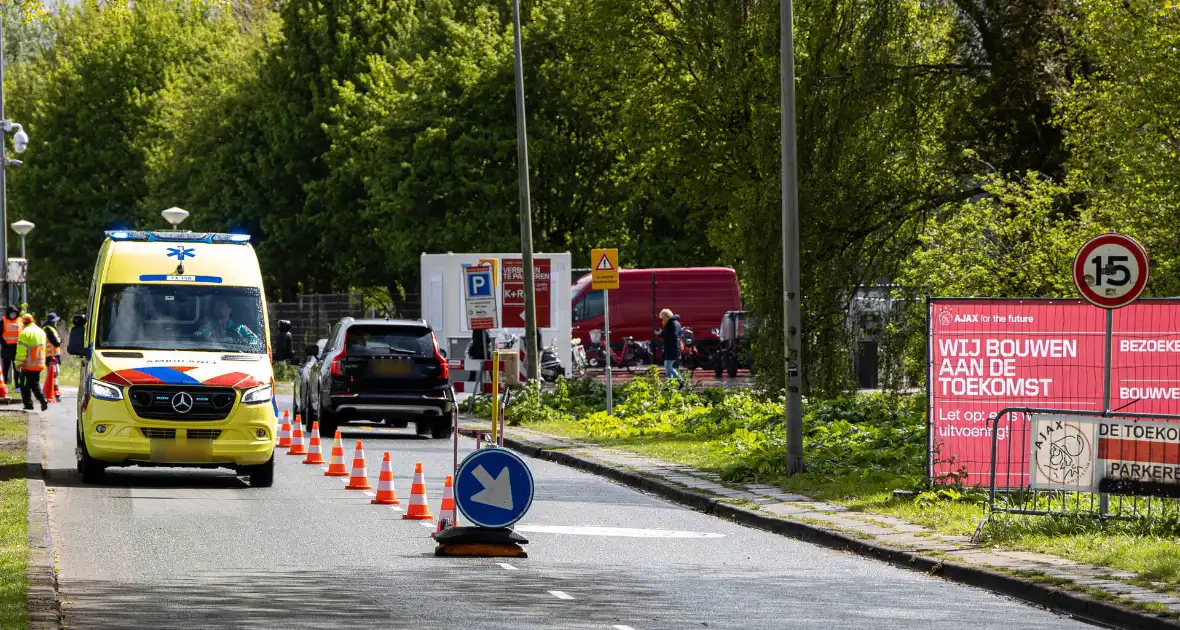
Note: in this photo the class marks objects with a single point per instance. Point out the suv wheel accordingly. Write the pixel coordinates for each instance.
(423, 428)
(328, 424)
(441, 430)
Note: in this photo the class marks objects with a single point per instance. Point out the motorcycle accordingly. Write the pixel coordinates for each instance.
(551, 366)
(634, 354)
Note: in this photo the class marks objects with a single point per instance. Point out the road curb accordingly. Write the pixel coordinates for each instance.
(43, 607)
(1055, 599)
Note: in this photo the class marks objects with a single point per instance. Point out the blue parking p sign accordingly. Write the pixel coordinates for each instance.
(479, 283)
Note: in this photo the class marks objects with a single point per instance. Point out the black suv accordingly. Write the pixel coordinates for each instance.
(379, 370)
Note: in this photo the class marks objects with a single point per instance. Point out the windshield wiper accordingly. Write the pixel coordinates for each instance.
(402, 350)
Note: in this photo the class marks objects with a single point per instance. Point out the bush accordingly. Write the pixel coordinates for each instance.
(856, 433)
(876, 433)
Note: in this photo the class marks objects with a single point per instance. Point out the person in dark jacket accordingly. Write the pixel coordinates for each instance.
(478, 348)
(671, 338)
(284, 343)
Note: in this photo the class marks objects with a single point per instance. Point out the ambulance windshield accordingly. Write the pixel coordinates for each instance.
(181, 317)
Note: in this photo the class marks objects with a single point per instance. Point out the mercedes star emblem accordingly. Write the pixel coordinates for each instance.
(182, 402)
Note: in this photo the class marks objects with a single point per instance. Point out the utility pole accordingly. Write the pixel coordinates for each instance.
(3, 178)
(532, 369)
(792, 318)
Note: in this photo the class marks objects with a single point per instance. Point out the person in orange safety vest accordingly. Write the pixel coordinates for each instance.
(11, 327)
(30, 359)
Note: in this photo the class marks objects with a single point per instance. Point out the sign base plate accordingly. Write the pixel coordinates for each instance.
(480, 542)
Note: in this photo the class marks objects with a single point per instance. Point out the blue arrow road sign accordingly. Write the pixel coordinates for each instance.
(479, 283)
(494, 487)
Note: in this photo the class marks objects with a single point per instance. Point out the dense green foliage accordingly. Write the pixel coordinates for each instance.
(953, 146)
(862, 434)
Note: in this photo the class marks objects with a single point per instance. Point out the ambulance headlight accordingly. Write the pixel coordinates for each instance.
(257, 395)
(105, 391)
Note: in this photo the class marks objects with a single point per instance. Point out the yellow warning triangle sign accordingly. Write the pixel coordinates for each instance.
(604, 264)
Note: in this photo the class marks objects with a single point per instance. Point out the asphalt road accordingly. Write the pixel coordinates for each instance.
(164, 548)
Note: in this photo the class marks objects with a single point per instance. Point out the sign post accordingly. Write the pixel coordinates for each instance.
(1111, 272)
(605, 276)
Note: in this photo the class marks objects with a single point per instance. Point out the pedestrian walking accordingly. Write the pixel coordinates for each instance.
(30, 360)
(671, 337)
(12, 326)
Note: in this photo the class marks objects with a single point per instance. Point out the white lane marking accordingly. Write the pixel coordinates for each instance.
(506, 566)
(370, 495)
(625, 532)
(427, 524)
(623, 628)
(397, 507)
(561, 595)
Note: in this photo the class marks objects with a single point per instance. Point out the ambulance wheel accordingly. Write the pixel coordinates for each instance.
(91, 470)
(263, 475)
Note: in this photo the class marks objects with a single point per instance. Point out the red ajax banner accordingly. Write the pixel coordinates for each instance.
(986, 355)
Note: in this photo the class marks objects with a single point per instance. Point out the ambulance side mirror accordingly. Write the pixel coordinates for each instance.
(77, 343)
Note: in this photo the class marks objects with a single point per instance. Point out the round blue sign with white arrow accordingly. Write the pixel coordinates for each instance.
(493, 487)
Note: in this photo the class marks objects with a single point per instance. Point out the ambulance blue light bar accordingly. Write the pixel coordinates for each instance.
(177, 237)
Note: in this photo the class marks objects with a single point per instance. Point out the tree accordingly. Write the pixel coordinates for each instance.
(1121, 122)
(93, 107)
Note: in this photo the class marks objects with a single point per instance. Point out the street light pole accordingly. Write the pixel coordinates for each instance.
(24, 286)
(526, 214)
(792, 334)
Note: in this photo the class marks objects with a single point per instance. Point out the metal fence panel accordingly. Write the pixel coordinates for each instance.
(1086, 463)
(313, 315)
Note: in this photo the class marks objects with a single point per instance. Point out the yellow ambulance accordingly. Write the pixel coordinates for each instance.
(176, 353)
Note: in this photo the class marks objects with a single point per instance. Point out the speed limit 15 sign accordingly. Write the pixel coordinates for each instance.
(1111, 270)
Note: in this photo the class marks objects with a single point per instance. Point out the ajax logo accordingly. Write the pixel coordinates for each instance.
(1063, 453)
(946, 316)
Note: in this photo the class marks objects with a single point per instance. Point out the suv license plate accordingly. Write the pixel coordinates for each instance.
(393, 368)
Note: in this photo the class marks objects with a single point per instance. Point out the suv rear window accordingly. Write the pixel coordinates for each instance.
(401, 340)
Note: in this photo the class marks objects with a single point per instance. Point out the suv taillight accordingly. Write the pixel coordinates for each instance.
(338, 364)
(444, 369)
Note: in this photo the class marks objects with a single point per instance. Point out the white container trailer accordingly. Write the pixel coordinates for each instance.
(444, 299)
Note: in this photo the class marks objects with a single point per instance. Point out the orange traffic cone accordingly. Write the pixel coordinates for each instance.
(285, 431)
(315, 455)
(297, 447)
(418, 510)
(57, 381)
(360, 474)
(447, 512)
(3, 389)
(386, 495)
(336, 466)
(49, 384)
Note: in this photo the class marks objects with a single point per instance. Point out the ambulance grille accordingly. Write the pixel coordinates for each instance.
(203, 434)
(158, 434)
(168, 402)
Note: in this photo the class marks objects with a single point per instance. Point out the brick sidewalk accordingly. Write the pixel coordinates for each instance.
(884, 531)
